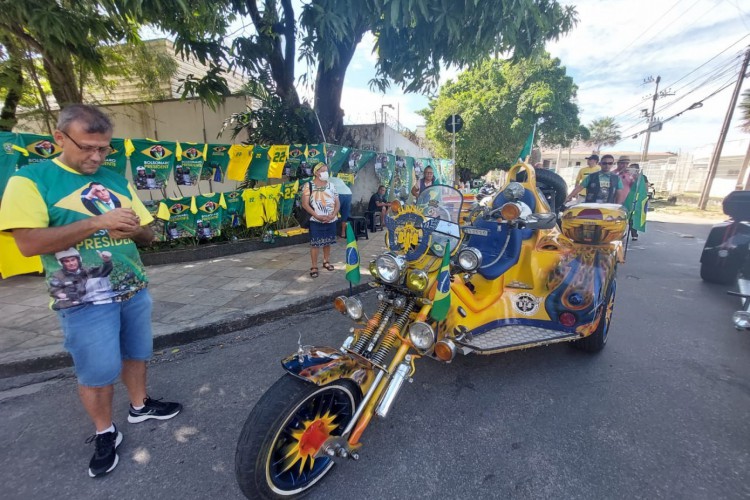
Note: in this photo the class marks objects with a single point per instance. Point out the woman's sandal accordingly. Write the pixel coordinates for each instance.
(313, 272)
(328, 266)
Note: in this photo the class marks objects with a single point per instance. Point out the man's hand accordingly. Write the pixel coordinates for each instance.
(120, 220)
(105, 256)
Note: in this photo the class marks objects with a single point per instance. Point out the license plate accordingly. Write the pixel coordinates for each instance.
(476, 231)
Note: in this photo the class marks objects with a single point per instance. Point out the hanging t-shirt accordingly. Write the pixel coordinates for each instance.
(239, 159)
(216, 164)
(359, 158)
(151, 162)
(235, 208)
(179, 216)
(270, 196)
(117, 160)
(36, 148)
(316, 153)
(296, 160)
(190, 159)
(209, 215)
(288, 194)
(337, 158)
(253, 207)
(278, 155)
(100, 269)
(259, 165)
(158, 225)
(9, 154)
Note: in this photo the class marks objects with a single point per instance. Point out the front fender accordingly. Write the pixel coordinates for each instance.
(323, 365)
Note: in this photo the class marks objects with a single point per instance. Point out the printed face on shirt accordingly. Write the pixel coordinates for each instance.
(70, 264)
(100, 192)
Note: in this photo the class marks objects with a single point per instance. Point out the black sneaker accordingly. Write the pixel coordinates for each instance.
(154, 408)
(105, 457)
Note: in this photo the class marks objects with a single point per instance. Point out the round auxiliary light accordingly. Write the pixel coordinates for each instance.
(354, 308)
(390, 268)
(422, 335)
(510, 211)
(469, 259)
(339, 303)
(417, 280)
(395, 206)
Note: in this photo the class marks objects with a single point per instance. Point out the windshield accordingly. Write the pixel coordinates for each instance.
(441, 206)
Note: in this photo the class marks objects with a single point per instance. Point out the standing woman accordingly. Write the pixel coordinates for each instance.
(323, 205)
(425, 182)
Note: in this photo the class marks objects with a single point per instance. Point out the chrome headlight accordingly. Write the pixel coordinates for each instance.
(421, 335)
(416, 280)
(350, 306)
(469, 259)
(390, 268)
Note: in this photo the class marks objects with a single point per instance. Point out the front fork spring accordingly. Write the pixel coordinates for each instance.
(392, 336)
(372, 324)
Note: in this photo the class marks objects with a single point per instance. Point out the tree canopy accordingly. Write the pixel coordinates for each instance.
(603, 132)
(415, 39)
(500, 101)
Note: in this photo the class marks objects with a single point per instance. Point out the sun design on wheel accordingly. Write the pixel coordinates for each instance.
(307, 441)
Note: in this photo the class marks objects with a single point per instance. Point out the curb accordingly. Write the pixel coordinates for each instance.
(63, 359)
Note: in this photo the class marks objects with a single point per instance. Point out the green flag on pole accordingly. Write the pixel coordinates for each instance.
(442, 301)
(352, 256)
(526, 151)
(636, 203)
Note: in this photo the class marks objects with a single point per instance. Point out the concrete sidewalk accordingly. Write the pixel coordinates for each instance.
(192, 300)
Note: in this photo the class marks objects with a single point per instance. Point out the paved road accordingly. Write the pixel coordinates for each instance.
(660, 413)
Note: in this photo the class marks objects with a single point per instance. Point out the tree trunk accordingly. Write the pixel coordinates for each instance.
(13, 75)
(62, 80)
(329, 85)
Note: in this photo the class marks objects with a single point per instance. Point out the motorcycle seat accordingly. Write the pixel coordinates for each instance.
(494, 264)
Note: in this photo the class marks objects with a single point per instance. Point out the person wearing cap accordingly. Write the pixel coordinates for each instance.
(321, 201)
(627, 178)
(601, 187)
(592, 165)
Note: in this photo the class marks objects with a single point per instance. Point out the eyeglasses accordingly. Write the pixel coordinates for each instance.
(608, 163)
(103, 150)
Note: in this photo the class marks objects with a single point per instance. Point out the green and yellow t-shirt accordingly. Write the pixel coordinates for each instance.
(209, 214)
(235, 208)
(239, 159)
(151, 162)
(217, 161)
(117, 159)
(179, 216)
(99, 269)
(259, 165)
(9, 155)
(36, 149)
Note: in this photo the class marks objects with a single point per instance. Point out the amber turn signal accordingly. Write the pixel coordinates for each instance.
(339, 303)
(445, 350)
(395, 206)
(510, 211)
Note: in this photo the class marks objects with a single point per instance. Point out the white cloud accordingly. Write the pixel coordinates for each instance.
(615, 46)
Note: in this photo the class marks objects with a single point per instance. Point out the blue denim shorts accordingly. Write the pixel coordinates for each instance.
(100, 336)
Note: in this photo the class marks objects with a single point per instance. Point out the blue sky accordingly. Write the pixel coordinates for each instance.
(616, 45)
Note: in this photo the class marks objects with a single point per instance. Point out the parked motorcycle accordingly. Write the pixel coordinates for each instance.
(513, 279)
(726, 254)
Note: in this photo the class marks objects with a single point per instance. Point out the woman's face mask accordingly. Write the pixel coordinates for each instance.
(324, 176)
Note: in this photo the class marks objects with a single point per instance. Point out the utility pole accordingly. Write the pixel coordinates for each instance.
(723, 135)
(650, 117)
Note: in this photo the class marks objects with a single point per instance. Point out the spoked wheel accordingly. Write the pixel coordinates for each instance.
(596, 341)
(275, 455)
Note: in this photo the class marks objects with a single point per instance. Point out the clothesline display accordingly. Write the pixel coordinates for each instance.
(206, 216)
(154, 165)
